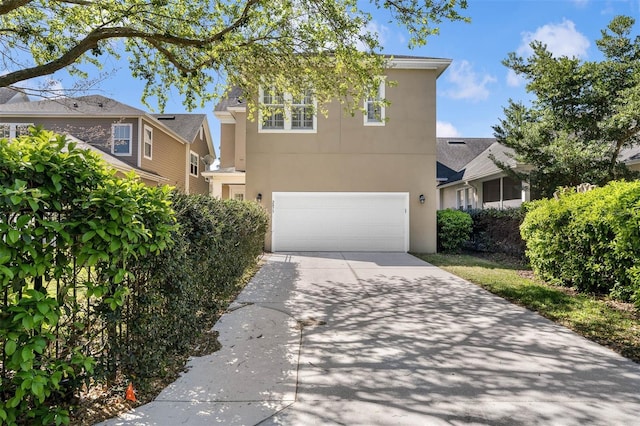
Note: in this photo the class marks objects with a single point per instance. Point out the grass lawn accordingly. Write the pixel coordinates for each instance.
(609, 323)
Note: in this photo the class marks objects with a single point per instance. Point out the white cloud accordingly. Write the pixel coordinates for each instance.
(561, 40)
(380, 31)
(580, 3)
(446, 130)
(514, 80)
(467, 84)
(54, 89)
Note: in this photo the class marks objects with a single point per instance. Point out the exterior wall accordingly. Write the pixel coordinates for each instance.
(198, 185)
(449, 196)
(344, 155)
(227, 145)
(634, 166)
(167, 157)
(95, 131)
(241, 142)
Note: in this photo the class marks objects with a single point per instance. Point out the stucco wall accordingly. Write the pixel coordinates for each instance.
(345, 155)
(227, 145)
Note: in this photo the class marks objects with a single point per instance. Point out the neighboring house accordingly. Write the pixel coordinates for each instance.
(169, 149)
(469, 179)
(340, 182)
(10, 95)
(631, 157)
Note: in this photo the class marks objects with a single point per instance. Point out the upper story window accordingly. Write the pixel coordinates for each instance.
(194, 158)
(14, 130)
(374, 109)
(274, 111)
(281, 112)
(121, 139)
(302, 112)
(148, 142)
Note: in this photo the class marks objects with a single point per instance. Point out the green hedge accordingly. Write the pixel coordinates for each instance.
(180, 291)
(70, 232)
(454, 229)
(103, 278)
(497, 231)
(590, 241)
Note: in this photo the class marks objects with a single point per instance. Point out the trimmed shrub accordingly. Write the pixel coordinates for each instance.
(497, 231)
(179, 292)
(100, 278)
(454, 229)
(69, 233)
(590, 241)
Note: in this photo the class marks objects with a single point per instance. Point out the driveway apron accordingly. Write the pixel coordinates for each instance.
(387, 339)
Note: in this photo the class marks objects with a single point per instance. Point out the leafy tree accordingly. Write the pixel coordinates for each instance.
(193, 45)
(583, 114)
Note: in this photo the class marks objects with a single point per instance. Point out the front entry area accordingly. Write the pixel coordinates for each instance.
(340, 221)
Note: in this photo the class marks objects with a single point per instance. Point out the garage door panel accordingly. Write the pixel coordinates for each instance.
(340, 221)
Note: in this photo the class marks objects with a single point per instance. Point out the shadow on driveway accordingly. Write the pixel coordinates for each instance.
(385, 338)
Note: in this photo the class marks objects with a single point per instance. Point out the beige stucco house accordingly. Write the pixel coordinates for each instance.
(469, 179)
(354, 183)
(171, 149)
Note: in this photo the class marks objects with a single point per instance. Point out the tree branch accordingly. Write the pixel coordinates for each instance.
(105, 33)
(8, 5)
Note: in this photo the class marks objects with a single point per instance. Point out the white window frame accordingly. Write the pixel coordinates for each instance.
(287, 107)
(468, 198)
(147, 141)
(236, 192)
(193, 165)
(13, 129)
(369, 104)
(113, 144)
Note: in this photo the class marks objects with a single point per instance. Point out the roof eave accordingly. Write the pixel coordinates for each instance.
(437, 64)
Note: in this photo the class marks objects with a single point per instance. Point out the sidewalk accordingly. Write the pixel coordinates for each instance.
(384, 338)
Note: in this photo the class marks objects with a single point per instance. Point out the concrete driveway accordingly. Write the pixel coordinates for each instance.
(387, 339)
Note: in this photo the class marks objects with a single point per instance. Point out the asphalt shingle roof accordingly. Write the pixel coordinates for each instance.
(92, 105)
(453, 154)
(483, 165)
(233, 99)
(7, 93)
(185, 125)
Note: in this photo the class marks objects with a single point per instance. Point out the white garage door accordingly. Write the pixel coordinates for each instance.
(340, 221)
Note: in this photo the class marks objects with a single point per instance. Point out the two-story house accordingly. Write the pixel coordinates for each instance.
(353, 183)
(171, 149)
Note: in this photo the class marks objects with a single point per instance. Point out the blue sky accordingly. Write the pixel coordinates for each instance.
(475, 88)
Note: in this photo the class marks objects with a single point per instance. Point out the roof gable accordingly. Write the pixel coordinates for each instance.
(456, 153)
(12, 95)
(186, 125)
(483, 165)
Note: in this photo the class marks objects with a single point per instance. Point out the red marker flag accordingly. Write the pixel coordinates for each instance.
(130, 394)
